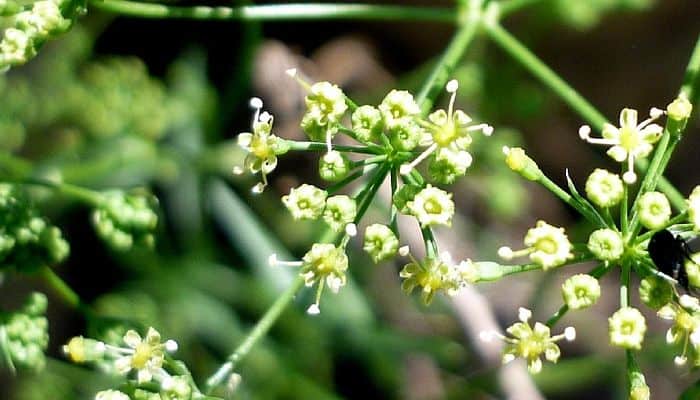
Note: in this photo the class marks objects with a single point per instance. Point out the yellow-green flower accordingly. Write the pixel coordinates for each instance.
(627, 327)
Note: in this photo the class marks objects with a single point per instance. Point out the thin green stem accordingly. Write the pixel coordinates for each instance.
(449, 59)
(625, 284)
(507, 7)
(355, 175)
(61, 288)
(522, 54)
(569, 95)
(259, 331)
(393, 218)
(320, 146)
(624, 210)
(366, 197)
(16, 167)
(689, 87)
(683, 216)
(280, 12)
(88, 196)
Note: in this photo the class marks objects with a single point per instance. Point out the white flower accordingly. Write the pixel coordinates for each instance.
(432, 206)
(144, 355)
(630, 141)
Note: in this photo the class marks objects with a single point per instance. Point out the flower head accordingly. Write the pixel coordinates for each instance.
(547, 246)
(627, 328)
(324, 264)
(16, 47)
(686, 321)
(398, 108)
(654, 210)
(325, 106)
(262, 146)
(340, 211)
(693, 203)
(143, 355)
(604, 188)
(530, 342)
(432, 275)
(655, 292)
(606, 244)
(380, 242)
(630, 141)
(580, 291)
(305, 202)
(367, 123)
(432, 206)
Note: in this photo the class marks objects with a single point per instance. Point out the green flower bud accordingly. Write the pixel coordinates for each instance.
(398, 108)
(405, 195)
(340, 211)
(627, 327)
(334, 166)
(367, 123)
(580, 291)
(305, 202)
(81, 350)
(692, 269)
(448, 165)
(606, 244)
(638, 387)
(655, 292)
(693, 203)
(380, 242)
(432, 206)
(405, 136)
(548, 245)
(604, 188)
(679, 109)
(25, 335)
(654, 210)
(521, 163)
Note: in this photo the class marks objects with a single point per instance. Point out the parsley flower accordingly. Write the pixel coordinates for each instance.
(630, 141)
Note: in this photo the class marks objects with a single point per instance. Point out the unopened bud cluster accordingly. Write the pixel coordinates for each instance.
(124, 220)
(27, 240)
(33, 24)
(24, 335)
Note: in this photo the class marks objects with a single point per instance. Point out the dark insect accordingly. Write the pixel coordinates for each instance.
(670, 253)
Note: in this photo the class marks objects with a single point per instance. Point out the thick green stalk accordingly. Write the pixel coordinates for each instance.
(507, 7)
(692, 71)
(453, 53)
(61, 288)
(279, 12)
(259, 331)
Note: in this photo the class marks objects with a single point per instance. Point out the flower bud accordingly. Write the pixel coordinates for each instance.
(627, 327)
(604, 188)
(606, 244)
(518, 161)
(655, 292)
(340, 211)
(654, 210)
(305, 202)
(333, 166)
(367, 123)
(380, 242)
(580, 291)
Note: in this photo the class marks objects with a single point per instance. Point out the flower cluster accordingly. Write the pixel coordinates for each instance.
(611, 244)
(27, 241)
(143, 358)
(33, 25)
(124, 219)
(24, 335)
(392, 139)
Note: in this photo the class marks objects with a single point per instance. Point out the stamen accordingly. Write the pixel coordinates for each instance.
(505, 253)
(524, 314)
(237, 170)
(486, 129)
(452, 87)
(404, 251)
(351, 229)
(630, 177)
(584, 132)
(329, 137)
(313, 309)
(406, 169)
(292, 72)
(274, 262)
(171, 346)
(258, 188)
(570, 334)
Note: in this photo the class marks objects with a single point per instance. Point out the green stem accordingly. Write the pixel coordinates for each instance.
(624, 285)
(447, 63)
(259, 331)
(507, 7)
(16, 166)
(624, 210)
(682, 217)
(394, 223)
(692, 71)
(570, 96)
(88, 196)
(280, 12)
(522, 54)
(355, 175)
(65, 292)
(320, 146)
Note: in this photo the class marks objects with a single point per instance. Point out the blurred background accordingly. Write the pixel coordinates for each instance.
(123, 102)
